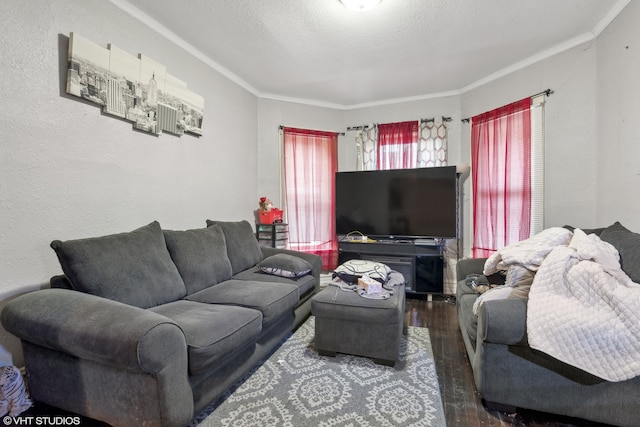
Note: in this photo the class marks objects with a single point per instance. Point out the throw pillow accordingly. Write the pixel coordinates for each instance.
(628, 245)
(596, 231)
(200, 255)
(285, 265)
(243, 248)
(352, 270)
(133, 268)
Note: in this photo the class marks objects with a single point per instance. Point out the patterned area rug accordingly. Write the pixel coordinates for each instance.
(296, 387)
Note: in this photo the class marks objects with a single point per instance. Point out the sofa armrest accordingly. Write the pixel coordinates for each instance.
(467, 266)
(503, 322)
(95, 328)
(313, 259)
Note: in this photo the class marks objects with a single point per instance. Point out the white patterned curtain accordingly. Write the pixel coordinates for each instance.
(432, 143)
(367, 147)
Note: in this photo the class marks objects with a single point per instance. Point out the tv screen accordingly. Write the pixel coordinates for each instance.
(397, 203)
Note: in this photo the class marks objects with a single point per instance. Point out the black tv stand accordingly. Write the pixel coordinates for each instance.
(421, 262)
(395, 241)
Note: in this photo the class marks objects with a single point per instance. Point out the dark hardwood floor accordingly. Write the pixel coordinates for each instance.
(463, 405)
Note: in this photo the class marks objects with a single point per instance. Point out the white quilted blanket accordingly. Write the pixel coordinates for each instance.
(528, 253)
(584, 310)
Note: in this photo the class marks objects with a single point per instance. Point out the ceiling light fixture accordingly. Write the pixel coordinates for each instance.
(360, 5)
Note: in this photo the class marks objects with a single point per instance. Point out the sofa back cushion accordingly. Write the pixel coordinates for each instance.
(243, 248)
(200, 255)
(628, 245)
(133, 268)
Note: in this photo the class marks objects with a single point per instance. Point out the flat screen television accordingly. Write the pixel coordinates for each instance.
(398, 203)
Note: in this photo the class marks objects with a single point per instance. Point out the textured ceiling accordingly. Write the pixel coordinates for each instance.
(318, 52)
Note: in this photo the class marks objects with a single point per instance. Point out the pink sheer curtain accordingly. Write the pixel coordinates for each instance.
(398, 145)
(310, 164)
(501, 171)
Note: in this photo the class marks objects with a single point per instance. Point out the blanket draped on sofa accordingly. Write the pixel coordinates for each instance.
(583, 308)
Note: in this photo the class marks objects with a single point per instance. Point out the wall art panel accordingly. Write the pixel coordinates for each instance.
(137, 89)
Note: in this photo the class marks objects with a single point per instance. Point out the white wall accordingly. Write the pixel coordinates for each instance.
(67, 171)
(618, 108)
(570, 155)
(271, 115)
(570, 128)
(592, 147)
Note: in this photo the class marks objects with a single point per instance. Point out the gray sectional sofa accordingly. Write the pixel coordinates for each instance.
(150, 326)
(509, 374)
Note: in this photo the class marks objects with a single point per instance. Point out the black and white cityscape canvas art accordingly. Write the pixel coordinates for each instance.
(137, 89)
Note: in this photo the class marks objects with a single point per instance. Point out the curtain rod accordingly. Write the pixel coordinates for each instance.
(350, 128)
(281, 128)
(547, 92)
(432, 119)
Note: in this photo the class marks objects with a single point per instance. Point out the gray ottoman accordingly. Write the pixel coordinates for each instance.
(351, 324)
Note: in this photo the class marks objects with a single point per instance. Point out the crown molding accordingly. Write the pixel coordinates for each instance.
(609, 17)
(145, 19)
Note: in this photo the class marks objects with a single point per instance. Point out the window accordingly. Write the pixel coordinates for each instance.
(310, 163)
(398, 145)
(507, 170)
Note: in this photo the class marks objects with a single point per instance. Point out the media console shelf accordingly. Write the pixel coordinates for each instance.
(421, 262)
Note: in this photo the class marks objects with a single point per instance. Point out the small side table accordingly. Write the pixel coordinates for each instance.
(273, 235)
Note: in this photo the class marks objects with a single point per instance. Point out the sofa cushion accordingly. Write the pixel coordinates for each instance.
(213, 332)
(304, 284)
(628, 245)
(596, 231)
(273, 299)
(243, 248)
(284, 265)
(200, 255)
(134, 268)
